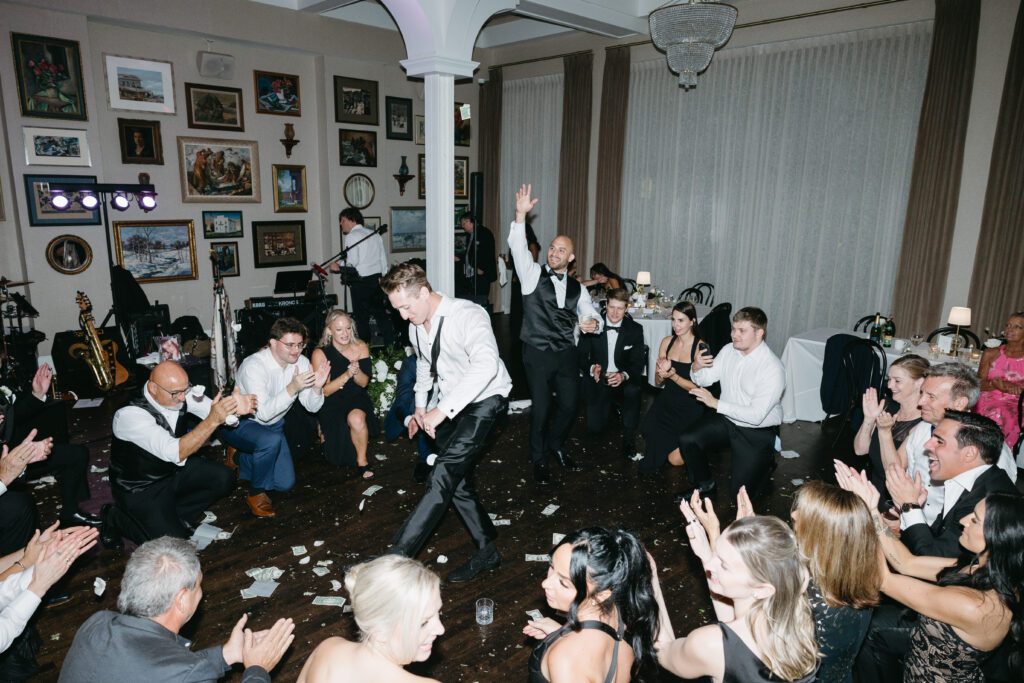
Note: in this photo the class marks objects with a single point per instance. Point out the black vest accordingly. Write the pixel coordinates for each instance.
(132, 468)
(546, 326)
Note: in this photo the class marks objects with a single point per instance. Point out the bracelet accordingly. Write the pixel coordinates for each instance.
(18, 562)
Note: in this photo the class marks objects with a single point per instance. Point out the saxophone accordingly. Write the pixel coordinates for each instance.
(92, 352)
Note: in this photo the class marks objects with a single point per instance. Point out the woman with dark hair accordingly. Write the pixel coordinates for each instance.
(674, 409)
(602, 580)
(603, 277)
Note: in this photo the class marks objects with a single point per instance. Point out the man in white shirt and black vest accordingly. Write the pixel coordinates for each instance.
(369, 259)
(456, 349)
(749, 412)
(552, 305)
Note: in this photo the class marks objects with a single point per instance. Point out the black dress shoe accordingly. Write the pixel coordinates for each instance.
(81, 518)
(421, 473)
(541, 474)
(562, 456)
(486, 559)
(708, 488)
(110, 535)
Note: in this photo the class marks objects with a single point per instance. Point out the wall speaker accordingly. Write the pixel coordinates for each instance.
(215, 65)
(476, 195)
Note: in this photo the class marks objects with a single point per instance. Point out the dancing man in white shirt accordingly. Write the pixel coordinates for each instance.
(748, 414)
(456, 349)
(277, 375)
(370, 260)
(552, 304)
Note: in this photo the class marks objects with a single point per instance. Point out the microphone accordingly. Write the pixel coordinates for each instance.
(319, 270)
(382, 229)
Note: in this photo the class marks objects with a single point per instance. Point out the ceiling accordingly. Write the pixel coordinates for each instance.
(530, 20)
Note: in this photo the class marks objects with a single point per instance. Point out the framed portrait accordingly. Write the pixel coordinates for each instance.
(276, 93)
(141, 142)
(226, 254)
(398, 118)
(459, 210)
(461, 177)
(355, 101)
(289, 188)
(420, 126)
(40, 212)
(278, 243)
(462, 130)
(49, 76)
(215, 170)
(214, 108)
(68, 254)
(139, 84)
(371, 222)
(220, 224)
(357, 147)
(408, 228)
(56, 147)
(156, 251)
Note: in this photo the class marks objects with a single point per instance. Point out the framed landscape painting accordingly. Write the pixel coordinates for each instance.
(219, 170)
(289, 188)
(408, 228)
(214, 108)
(56, 147)
(222, 224)
(49, 76)
(356, 101)
(357, 147)
(140, 84)
(156, 251)
(140, 142)
(276, 93)
(40, 212)
(278, 243)
(226, 254)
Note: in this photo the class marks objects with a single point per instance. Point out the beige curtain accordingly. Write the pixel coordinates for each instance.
(612, 137)
(574, 162)
(997, 286)
(938, 162)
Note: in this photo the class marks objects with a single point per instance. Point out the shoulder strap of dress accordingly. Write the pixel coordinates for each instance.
(616, 635)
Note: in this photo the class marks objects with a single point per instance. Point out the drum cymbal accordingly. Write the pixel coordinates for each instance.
(7, 283)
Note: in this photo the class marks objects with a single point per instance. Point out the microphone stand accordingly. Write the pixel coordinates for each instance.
(321, 268)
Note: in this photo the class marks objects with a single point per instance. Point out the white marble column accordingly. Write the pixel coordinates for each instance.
(439, 101)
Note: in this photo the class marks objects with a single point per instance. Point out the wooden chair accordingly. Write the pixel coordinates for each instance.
(967, 337)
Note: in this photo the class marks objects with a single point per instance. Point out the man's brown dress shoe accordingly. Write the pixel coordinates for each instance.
(260, 505)
(229, 458)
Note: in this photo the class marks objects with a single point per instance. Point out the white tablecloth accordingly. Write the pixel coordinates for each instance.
(656, 328)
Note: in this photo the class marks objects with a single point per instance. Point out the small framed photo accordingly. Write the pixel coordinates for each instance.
(461, 177)
(289, 188)
(56, 147)
(420, 126)
(141, 142)
(371, 222)
(49, 76)
(140, 84)
(398, 117)
(41, 212)
(357, 147)
(356, 101)
(278, 243)
(226, 254)
(221, 224)
(276, 93)
(462, 127)
(214, 108)
(215, 170)
(156, 251)
(408, 228)
(459, 210)
(169, 347)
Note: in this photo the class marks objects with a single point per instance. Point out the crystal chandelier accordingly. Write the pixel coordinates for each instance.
(689, 32)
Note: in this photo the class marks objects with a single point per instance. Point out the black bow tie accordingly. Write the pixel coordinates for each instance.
(552, 273)
(609, 326)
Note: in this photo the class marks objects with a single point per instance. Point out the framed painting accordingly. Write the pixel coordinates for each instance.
(68, 254)
(371, 222)
(41, 212)
(289, 188)
(462, 129)
(219, 170)
(459, 210)
(49, 76)
(461, 177)
(357, 147)
(408, 228)
(139, 84)
(141, 142)
(420, 125)
(226, 254)
(398, 117)
(214, 108)
(276, 93)
(56, 147)
(355, 101)
(278, 243)
(220, 224)
(156, 251)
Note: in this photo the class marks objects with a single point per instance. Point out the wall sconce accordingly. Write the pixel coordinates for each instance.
(403, 176)
(289, 140)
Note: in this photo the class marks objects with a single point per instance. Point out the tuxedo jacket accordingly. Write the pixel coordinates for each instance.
(629, 350)
(942, 538)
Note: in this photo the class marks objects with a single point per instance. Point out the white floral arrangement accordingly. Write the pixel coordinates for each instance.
(384, 380)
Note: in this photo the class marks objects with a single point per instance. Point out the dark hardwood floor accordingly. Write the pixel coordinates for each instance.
(324, 506)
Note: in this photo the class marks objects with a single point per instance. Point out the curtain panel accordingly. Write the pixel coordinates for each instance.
(574, 164)
(611, 147)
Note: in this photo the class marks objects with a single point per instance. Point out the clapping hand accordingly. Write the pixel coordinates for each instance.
(858, 483)
(663, 367)
(58, 555)
(13, 462)
(265, 648)
(871, 405)
(247, 403)
(595, 372)
(885, 421)
(695, 532)
(704, 511)
(41, 381)
(302, 380)
(321, 375)
(744, 508)
(902, 488)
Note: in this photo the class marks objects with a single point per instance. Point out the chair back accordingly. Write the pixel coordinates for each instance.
(691, 294)
(630, 285)
(967, 338)
(851, 365)
(716, 327)
(864, 324)
(707, 290)
(1020, 425)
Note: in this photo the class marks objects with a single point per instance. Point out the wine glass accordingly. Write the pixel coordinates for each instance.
(917, 339)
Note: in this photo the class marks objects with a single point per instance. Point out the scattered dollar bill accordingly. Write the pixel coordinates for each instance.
(317, 544)
(534, 614)
(209, 517)
(556, 538)
(381, 457)
(98, 586)
(442, 559)
(346, 609)
(321, 571)
(265, 573)
(502, 522)
(247, 593)
(362, 504)
(549, 510)
(324, 563)
(304, 560)
(298, 550)
(538, 558)
(372, 490)
(335, 585)
(329, 600)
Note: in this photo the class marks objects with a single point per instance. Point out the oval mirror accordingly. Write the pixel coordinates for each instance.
(359, 191)
(68, 254)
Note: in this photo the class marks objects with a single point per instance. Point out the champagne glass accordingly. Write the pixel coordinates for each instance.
(917, 339)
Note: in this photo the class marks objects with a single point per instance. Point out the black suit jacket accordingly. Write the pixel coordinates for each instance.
(629, 350)
(483, 256)
(942, 539)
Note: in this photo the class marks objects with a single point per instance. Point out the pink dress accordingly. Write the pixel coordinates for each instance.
(998, 405)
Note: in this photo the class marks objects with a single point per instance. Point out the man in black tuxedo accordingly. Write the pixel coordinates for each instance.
(478, 267)
(613, 364)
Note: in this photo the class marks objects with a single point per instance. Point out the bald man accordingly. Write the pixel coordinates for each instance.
(552, 305)
(159, 488)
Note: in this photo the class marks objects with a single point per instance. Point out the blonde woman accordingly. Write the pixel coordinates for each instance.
(347, 418)
(396, 603)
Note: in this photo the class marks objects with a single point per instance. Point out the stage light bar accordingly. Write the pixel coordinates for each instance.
(119, 201)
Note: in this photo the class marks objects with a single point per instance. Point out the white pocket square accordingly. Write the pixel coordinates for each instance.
(627, 348)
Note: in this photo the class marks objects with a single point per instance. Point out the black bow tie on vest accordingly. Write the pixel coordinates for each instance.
(551, 273)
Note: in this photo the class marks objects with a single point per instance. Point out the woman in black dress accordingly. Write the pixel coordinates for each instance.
(347, 418)
(674, 410)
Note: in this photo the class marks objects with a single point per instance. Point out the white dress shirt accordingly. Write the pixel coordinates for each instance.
(752, 385)
(529, 272)
(262, 375)
(945, 497)
(468, 366)
(612, 335)
(135, 425)
(17, 604)
(369, 257)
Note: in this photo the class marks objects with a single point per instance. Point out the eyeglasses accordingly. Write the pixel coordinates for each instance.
(294, 346)
(180, 393)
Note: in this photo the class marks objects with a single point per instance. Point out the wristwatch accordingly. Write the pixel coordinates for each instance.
(907, 507)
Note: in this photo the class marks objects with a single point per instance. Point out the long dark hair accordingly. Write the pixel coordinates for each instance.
(690, 311)
(617, 562)
(1003, 571)
(602, 269)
